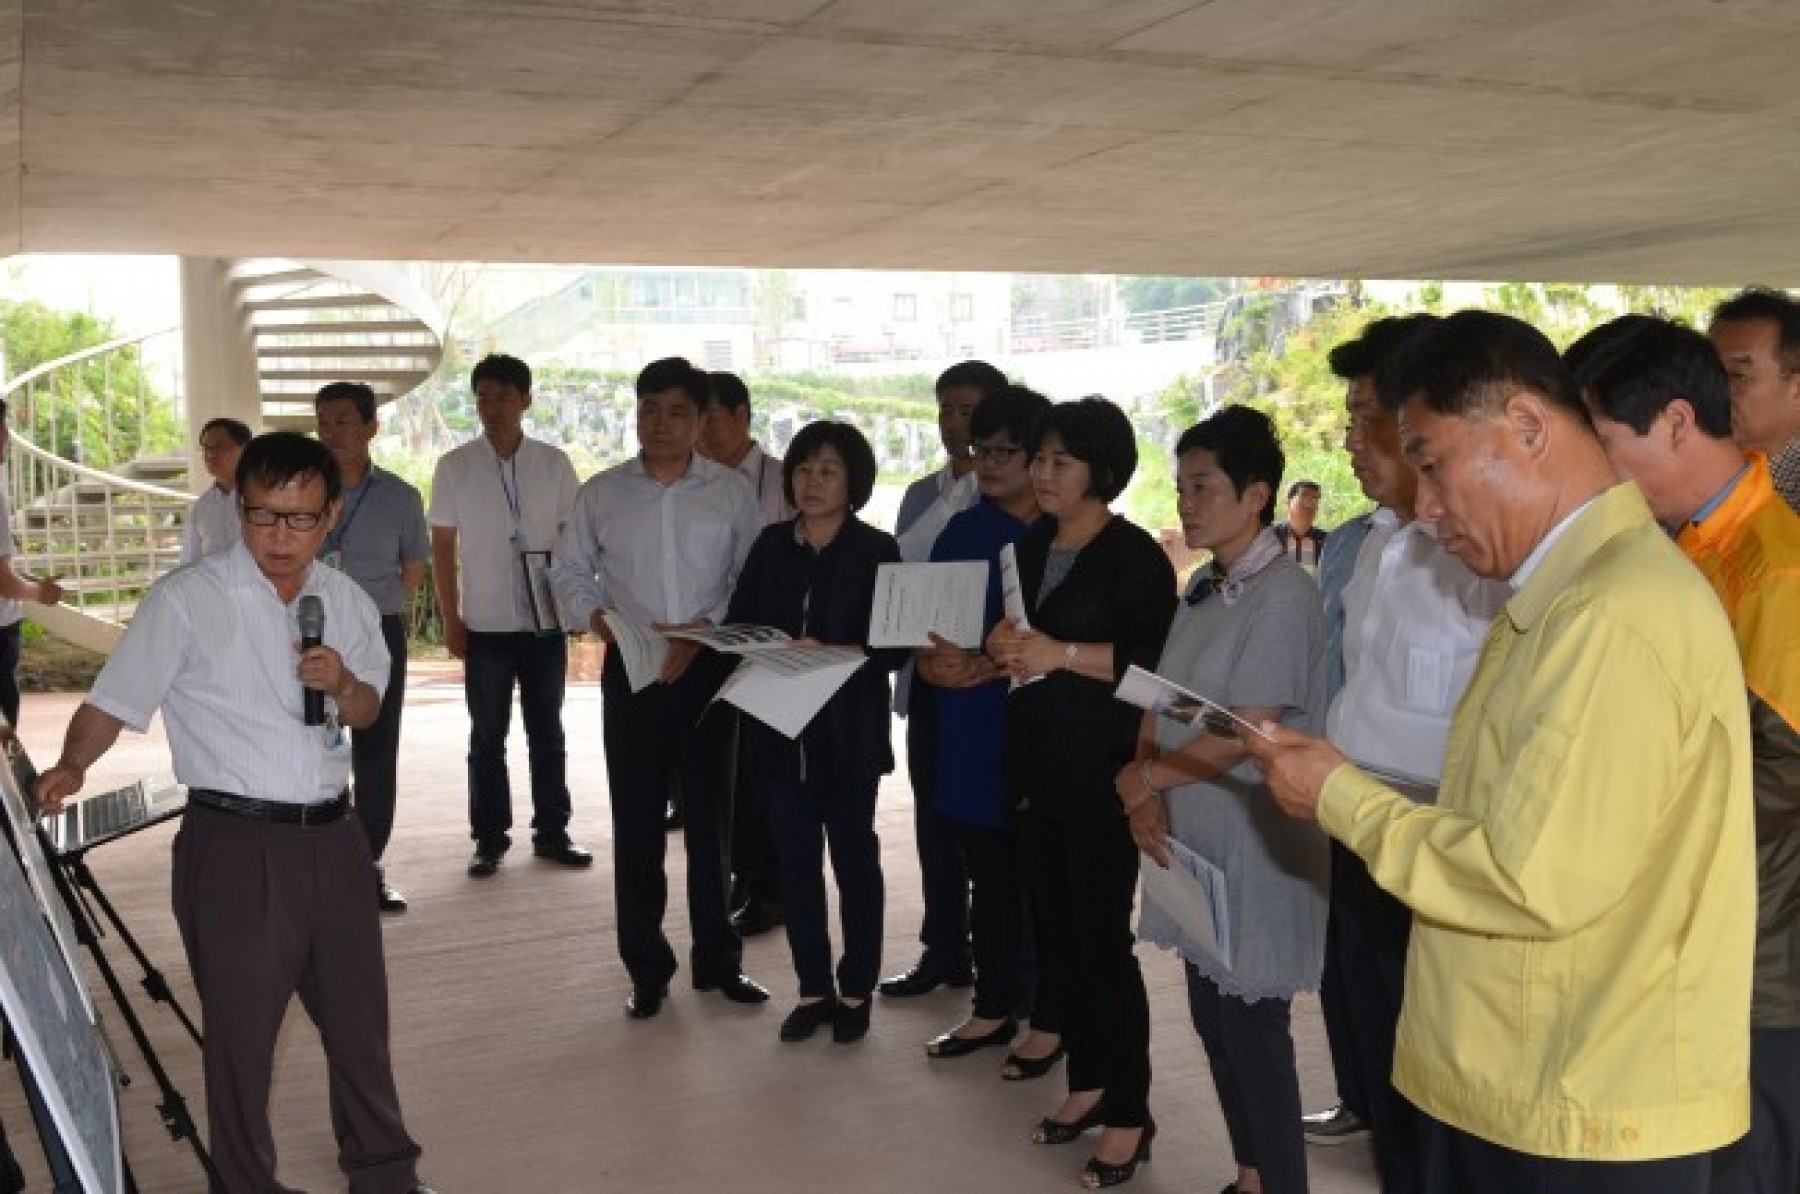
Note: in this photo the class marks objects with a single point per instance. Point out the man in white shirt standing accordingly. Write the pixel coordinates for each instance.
(274, 887)
(725, 437)
(659, 540)
(14, 590)
(212, 522)
(498, 507)
(928, 504)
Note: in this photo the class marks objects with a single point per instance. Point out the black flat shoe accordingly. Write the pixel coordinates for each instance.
(808, 1018)
(1024, 1069)
(645, 1002)
(738, 988)
(1100, 1175)
(950, 1045)
(563, 853)
(389, 900)
(1055, 1131)
(851, 1024)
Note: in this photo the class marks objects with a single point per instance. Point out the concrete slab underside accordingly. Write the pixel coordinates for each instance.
(1633, 141)
(519, 1072)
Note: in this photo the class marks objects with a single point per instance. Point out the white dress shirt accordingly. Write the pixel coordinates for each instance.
(655, 552)
(951, 495)
(500, 508)
(212, 525)
(216, 650)
(1414, 621)
(763, 471)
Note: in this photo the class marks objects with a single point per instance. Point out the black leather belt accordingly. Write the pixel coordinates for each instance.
(281, 812)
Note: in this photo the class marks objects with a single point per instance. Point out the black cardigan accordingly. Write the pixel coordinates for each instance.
(1067, 735)
(826, 595)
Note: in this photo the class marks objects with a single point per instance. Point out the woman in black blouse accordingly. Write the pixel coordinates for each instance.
(1099, 594)
(814, 577)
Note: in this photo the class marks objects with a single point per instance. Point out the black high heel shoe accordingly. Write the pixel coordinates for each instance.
(1057, 1131)
(1100, 1175)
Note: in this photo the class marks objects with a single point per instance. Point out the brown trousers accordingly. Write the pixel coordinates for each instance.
(267, 912)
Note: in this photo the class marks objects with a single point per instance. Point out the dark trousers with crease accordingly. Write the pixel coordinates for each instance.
(1334, 998)
(755, 866)
(668, 733)
(268, 912)
(537, 665)
(1250, 1047)
(1453, 1161)
(1084, 872)
(1002, 925)
(943, 881)
(1767, 1161)
(806, 817)
(375, 751)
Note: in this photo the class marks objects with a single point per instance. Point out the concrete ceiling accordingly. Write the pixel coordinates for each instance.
(1627, 140)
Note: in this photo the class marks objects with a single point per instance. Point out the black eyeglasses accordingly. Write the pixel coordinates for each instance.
(297, 520)
(997, 453)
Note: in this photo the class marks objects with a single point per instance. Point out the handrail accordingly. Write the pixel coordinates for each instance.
(32, 374)
(93, 474)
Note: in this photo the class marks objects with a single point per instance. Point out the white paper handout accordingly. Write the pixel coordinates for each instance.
(737, 639)
(1165, 698)
(641, 649)
(786, 689)
(915, 601)
(1185, 905)
(1012, 593)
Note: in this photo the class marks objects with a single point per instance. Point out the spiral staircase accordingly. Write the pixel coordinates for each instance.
(107, 532)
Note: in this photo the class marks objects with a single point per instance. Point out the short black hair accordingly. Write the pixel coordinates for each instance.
(1473, 361)
(1298, 486)
(675, 373)
(1243, 440)
(508, 371)
(1765, 302)
(727, 390)
(1595, 348)
(1380, 338)
(277, 458)
(1097, 433)
(977, 375)
(1651, 362)
(236, 430)
(348, 391)
(1014, 410)
(858, 456)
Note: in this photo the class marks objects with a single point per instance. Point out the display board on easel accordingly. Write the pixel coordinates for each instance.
(47, 1006)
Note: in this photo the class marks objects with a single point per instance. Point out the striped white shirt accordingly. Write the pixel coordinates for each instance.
(216, 650)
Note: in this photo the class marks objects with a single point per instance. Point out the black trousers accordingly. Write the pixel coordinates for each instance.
(268, 912)
(1251, 1050)
(755, 866)
(1334, 1001)
(1084, 873)
(668, 733)
(11, 639)
(375, 751)
(1454, 1162)
(806, 818)
(1374, 928)
(1002, 926)
(944, 884)
(1767, 1161)
(537, 665)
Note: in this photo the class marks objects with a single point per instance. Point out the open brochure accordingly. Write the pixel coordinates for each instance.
(1185, 906)
(1165, 698)
(739, 639)
(641, 649)
(915, 601)
(786, 689)
(1012, 592)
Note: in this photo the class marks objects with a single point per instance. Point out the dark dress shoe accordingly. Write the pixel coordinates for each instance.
(808, 1018)
(757, 916)
(421, 1188)
(1057, 1131)
(851, 1024)
(645, 1002)
(486, 859)
(1102, 1175)
(563, 853)
(950, 1045)
(738, 988)
(672, 817)
(389, 900)
(926, 977)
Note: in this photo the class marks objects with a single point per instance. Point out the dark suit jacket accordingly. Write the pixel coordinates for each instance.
(1067, 734)
(825, 595)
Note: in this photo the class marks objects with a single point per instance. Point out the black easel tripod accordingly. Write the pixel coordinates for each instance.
(74, 881)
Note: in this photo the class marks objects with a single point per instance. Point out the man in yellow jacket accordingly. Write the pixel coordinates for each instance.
(1578, 987)
(1662, 405)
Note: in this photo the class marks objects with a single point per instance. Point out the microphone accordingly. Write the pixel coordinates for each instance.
(312, 633)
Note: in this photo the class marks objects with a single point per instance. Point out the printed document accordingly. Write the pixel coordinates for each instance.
(915, 601)
(1165, 698)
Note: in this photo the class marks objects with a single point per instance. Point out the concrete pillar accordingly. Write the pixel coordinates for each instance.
(219, 356)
